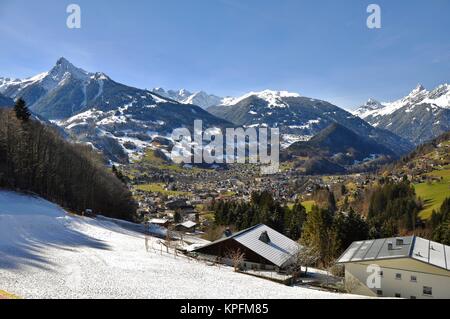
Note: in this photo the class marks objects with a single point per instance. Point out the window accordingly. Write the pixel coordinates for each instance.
(413, 297)
(413, 278)
(380, 292)
(398, 295)
(428, 291)
(398, 276)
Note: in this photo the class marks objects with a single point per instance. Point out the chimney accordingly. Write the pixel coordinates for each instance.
(227, 233)
(399, 242)
(390, 246)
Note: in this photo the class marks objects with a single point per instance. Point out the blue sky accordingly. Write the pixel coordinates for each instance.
(321, 48)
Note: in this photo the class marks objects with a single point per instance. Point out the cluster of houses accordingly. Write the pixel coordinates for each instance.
(404, 267)
(178, 214)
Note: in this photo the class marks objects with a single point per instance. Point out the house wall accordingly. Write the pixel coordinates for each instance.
(429, 276)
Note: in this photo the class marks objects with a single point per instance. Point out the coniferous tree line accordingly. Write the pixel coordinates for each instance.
(35, 158)
(323, 229)
(262, 209)
(393, 209)
(440, 223)
(330, 233)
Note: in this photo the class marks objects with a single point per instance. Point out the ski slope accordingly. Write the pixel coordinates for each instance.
(47, 253)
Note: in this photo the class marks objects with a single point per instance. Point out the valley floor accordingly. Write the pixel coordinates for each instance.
(46, 253)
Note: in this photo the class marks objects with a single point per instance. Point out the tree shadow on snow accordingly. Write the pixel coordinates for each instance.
(33, 246)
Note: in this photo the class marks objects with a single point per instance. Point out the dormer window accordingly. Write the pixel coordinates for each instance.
(264, 237)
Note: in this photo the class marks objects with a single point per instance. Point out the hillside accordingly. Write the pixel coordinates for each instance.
(335, 149)
(35, 158)
(428, 167)
(47, 253)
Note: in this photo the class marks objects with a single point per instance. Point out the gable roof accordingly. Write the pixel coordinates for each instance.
(278, 250)
(417, 248)
(188, 224)
(158, 221)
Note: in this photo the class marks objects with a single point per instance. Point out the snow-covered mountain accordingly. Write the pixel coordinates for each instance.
(299, 118)
(200, 98)
(93, 108)
(418, 117)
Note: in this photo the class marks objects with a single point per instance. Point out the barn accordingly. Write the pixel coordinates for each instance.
(262, 246)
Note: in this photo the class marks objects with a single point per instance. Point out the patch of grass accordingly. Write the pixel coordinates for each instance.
(308, 205)
(286, 166)
(351, 186)
(159, 188)
(152, 159)
(209, 216)
(433, 194)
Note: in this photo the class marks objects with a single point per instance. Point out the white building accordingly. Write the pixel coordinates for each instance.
(404, 267)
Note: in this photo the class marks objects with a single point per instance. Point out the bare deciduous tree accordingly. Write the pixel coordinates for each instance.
(305, 257)
(351, 284)
(237, 257)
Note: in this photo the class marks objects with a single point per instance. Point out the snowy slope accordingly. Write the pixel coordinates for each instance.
(273, 98)
(46, 253)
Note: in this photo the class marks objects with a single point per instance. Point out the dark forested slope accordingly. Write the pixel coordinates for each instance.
(35, 158)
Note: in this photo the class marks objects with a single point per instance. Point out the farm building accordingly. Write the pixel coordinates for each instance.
(188, 227)
(159, 222)
(263, 248)
(404, 267)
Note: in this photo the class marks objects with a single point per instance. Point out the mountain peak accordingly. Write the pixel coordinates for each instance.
(63, 61)
(199, 98)
(64, 68)
(419, 88)
(373, 104)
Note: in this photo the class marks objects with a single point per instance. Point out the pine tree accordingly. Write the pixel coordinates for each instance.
(318, 232)
(21, 110)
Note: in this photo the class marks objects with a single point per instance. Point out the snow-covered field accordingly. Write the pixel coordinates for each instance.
(46, 253)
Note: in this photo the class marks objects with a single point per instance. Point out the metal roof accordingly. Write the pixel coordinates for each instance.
(417, 248)
(158, 221)
(188, 224)
(279, 250)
